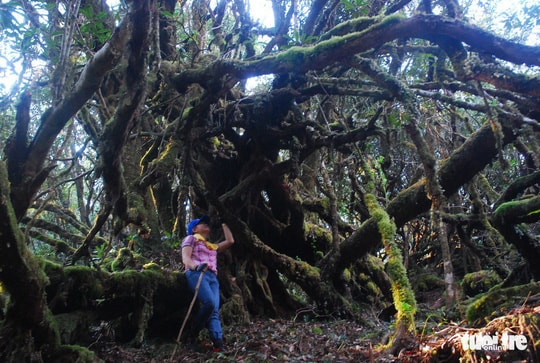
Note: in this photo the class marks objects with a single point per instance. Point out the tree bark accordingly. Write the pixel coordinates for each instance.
(28, 332)
(28, 175)
(467, 161)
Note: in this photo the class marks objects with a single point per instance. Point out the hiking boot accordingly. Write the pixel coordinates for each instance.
(218, 346)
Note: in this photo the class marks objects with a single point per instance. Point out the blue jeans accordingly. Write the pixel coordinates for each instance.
(208, 313)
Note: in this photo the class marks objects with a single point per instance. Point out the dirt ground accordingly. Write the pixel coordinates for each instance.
(261, 341)
(339, 341)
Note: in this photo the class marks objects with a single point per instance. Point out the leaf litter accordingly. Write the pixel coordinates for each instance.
(335, 341)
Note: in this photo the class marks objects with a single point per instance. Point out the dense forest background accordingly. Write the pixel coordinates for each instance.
(376, 161)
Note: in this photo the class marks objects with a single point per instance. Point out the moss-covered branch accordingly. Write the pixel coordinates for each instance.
(368, 35)
(28, 314)
(464, 163)
(487, 304)
(309, 278)
(54, 119)
(402, 293)
(517, 187)
(526, 210)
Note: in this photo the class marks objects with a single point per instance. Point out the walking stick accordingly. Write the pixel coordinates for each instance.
(187, 315)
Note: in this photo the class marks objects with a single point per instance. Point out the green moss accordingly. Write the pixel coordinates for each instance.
(86, 279)
(4, 300)
(234, 312)
(152, 275)
(505, 207)
(478, 282)
(152, 266)
(50, 268)
(373, 289)
(497, 300)
(426, 282)
(124, 260)
(370, 266)
(339, 40)
(78, 270)
(347, 275)
(316, 232)
(74, 326)
(127, 278)
(76, 353)
(296, 56)
(516, 209)
(129, 282)
(186, 112)
(312, 273)
(325, 203)
(87, 282)
(355, 24)
(54, 337)
(402, 293)
(374, 263)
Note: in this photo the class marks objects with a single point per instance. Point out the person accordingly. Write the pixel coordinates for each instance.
(200, 257)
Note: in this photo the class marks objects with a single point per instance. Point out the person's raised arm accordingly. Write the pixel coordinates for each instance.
(229, 239)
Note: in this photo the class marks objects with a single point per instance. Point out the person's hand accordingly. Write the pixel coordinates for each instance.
(201, 267)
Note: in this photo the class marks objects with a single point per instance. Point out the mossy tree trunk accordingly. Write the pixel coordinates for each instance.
(402, 292)
(438, 204)
(29, 332)
(174, 134)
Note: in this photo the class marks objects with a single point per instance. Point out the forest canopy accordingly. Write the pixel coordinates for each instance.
(372, 158)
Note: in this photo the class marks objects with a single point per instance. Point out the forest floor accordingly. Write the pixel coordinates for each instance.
(341, 341)
(264, 341)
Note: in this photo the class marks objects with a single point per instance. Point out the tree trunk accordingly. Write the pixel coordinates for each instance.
(28, 332)
(469, 159)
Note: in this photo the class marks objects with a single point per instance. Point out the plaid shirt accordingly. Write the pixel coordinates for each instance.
(201, 253)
